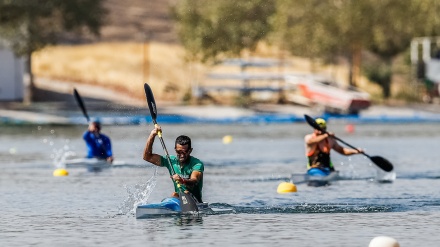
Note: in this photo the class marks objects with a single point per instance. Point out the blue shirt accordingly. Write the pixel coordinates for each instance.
(98, 146)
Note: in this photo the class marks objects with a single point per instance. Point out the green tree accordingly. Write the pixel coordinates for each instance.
(209, 29)
(323, 29)
(28, 26)
(327, 29)
(395, 23)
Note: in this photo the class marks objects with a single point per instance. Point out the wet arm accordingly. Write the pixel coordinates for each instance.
(196, 176)
(344, 151)
(194, 179)
(310, 139)
(148, 150)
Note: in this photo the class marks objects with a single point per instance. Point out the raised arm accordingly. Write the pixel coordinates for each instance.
(148, 150)
(312, 139)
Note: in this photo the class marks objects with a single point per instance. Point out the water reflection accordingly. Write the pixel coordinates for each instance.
(189, 220)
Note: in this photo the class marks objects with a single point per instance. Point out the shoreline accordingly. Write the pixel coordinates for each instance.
(56, 105)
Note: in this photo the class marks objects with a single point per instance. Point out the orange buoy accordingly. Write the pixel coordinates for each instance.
(349, 128)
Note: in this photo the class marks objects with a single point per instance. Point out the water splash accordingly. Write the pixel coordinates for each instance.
(60, 155)
(60, 151)
(385, 177)
(138, 194)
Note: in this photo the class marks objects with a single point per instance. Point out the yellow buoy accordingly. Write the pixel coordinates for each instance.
(60, 172)
(227, 139)
(286, 187)
(383, 241)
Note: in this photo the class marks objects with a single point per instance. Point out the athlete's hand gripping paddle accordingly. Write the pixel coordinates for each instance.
(187, 202)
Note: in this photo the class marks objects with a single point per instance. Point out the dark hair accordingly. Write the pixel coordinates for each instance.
(183, 140)
(97, 124)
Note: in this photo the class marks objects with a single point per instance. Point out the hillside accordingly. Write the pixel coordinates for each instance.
(139, 44)
(138, 20)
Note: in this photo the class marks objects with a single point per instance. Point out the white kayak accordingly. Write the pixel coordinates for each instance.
(91, 163)
(314, 180)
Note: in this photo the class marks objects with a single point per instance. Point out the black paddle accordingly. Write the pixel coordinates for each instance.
(187, 202)
(81, 104)
(379, 161)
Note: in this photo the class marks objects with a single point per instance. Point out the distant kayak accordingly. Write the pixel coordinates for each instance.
(92, 164)
(315, 178)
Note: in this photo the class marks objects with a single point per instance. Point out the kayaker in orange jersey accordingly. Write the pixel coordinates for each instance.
(189, 170)
(318, 146)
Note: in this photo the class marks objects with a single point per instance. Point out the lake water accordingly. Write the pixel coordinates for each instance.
(96, 208)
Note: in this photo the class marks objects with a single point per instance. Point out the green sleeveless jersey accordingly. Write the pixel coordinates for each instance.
(194, 164)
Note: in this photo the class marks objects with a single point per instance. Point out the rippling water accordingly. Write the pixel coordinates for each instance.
(96, 208)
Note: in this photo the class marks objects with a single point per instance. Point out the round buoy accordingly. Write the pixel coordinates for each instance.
(227, 139)
(60, 172)
(383, 241)
(349, 128)
(286, 187)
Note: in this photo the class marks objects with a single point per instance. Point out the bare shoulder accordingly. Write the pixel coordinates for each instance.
(308, 137)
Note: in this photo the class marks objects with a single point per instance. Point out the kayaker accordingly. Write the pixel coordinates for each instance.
(98, 145)
(318, 146)
(189, 170)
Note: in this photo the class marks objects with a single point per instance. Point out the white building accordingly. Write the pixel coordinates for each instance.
(432, 61)
(11, 75)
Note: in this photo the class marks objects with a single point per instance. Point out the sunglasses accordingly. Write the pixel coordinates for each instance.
(182, 152)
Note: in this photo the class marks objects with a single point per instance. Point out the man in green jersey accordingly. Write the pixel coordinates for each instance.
(189, 170)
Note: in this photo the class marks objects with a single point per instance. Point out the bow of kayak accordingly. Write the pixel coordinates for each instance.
(314, 179)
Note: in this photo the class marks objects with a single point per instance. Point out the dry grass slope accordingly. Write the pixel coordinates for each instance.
(139, 44)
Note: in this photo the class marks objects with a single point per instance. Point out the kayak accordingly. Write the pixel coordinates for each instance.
(315, 178)
(92, 164)
(168, 206)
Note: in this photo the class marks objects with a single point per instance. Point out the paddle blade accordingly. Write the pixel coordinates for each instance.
(313, 123)
(187, 202)
(81, 104)
(151, 102)
(382, 163)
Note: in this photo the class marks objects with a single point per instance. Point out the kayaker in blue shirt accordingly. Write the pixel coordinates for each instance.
(98, 144)
(189, 170)
(318, 146)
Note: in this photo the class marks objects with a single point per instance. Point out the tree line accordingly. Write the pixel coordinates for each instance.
(27, 26)
(316, 29)
(324, 30)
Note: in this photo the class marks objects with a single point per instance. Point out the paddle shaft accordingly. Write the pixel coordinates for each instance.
(168, 156)
(159, 133)
(84, 111)
(81, 104)
(153, 112)
(313, 123)
(335, 137)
